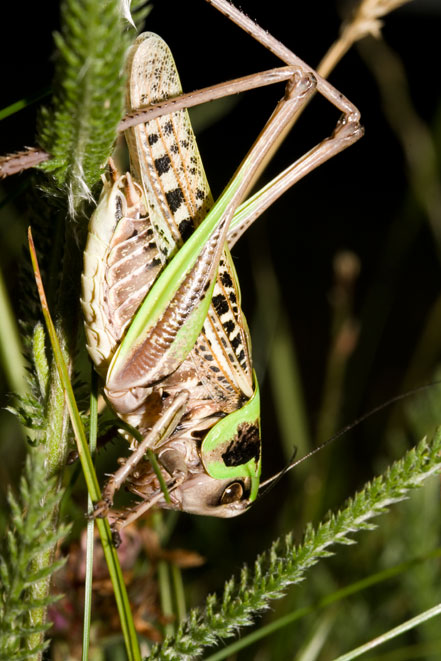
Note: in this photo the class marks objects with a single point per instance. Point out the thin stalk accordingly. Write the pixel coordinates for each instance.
(391, 634)
(11, 351)
(275, 352)
(167, 580)
(152, 458)
(56, 446)
(178, 585)
(93, 433)
(109, 549)
(366, 20)
(312, 646)
(286, 386)
(344, 335)
(7, 111)
(166, 598)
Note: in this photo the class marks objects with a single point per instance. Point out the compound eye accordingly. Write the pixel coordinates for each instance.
(232, 493)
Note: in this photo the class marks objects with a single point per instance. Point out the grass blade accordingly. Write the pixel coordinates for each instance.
(392, 633)
(93, 433)
(93, 488)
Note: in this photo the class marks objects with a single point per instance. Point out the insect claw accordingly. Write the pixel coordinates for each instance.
(101, 508)
(98, 515)
(116, 538)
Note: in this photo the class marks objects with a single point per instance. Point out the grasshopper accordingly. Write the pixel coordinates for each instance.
(161, 300)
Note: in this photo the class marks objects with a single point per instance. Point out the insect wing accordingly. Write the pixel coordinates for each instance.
(164, 155)
(166, 162)
(119, 267)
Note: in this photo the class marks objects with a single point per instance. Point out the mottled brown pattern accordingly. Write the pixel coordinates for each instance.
(217, 372)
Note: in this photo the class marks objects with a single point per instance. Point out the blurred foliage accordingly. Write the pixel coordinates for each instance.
(340, 283)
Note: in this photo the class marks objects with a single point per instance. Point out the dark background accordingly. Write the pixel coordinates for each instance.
(362, 201)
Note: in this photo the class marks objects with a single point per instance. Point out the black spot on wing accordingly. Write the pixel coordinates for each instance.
(226, 279)
(229, 327)
(153, 138)
(168, 128)
(162, 164)
(174, 198)
(220, 304)
(236, 341)
(186, 228)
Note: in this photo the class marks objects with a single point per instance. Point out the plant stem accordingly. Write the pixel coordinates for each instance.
(11, 351)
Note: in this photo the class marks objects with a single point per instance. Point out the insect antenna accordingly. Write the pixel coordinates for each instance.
(271, 482)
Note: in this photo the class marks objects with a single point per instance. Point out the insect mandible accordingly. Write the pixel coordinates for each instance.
(161, 300)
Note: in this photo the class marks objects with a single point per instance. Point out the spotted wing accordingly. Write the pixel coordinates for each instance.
(167, 164)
